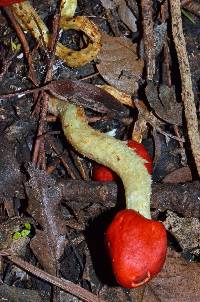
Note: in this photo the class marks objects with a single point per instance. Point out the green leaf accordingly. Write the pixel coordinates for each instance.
(187, 15)
(27, 226)
(16, 235)
(25, 233)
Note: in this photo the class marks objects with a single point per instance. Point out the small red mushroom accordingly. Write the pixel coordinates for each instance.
(102, 173)
(137, 247)
(9, 2)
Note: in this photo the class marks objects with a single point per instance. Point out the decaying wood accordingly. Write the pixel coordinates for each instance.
(181, 198)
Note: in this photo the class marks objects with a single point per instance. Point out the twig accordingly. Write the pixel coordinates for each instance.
(112, 22)
(66, 285)
(64, 158)
(187, 93)
(148, 36)
(168, 135)
(182, 198)
(22, 38)
(39, 148)
(40, 130)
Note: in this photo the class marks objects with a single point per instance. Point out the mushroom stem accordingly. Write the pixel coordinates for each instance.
(107, 151)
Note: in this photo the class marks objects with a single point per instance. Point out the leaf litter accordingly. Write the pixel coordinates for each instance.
(119, 65)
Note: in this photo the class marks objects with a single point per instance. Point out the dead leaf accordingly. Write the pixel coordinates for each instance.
(127, 16)
(86, 95)
(110, 4)
(43, 205)
(119, 64)
(162, 100)
(180, 175)
(177, 282)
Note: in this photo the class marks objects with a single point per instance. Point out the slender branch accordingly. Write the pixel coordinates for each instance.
(187, 93)
(148, 36)
(66, 285)
(22, 38)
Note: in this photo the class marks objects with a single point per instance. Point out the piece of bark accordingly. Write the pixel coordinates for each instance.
(89, 191)
(43, 205)
(181, 198)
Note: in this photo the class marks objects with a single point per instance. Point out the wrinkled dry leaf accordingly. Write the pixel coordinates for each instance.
(110, 4)
(43, 205)
(127, 16)
(178, 282)
(185, 230)
(119, 64)
(162, 100)
(180, 175)
(86, 95)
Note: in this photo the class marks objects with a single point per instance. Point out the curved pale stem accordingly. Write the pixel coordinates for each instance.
(108, 151)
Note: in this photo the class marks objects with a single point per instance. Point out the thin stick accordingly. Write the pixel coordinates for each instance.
(148, 36)
(66, 285)
(22, 38)
(187, 93)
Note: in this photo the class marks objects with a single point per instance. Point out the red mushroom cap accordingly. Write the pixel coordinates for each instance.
(9, 2)
(142, 152)
(102, 173)
(137, 247)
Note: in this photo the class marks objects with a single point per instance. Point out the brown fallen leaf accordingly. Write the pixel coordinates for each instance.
(180, 175)
(162, 100)
(86, 95)
(110, 4)
(177, 282)
(127, 16)
(119, 64)
(43, 205)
